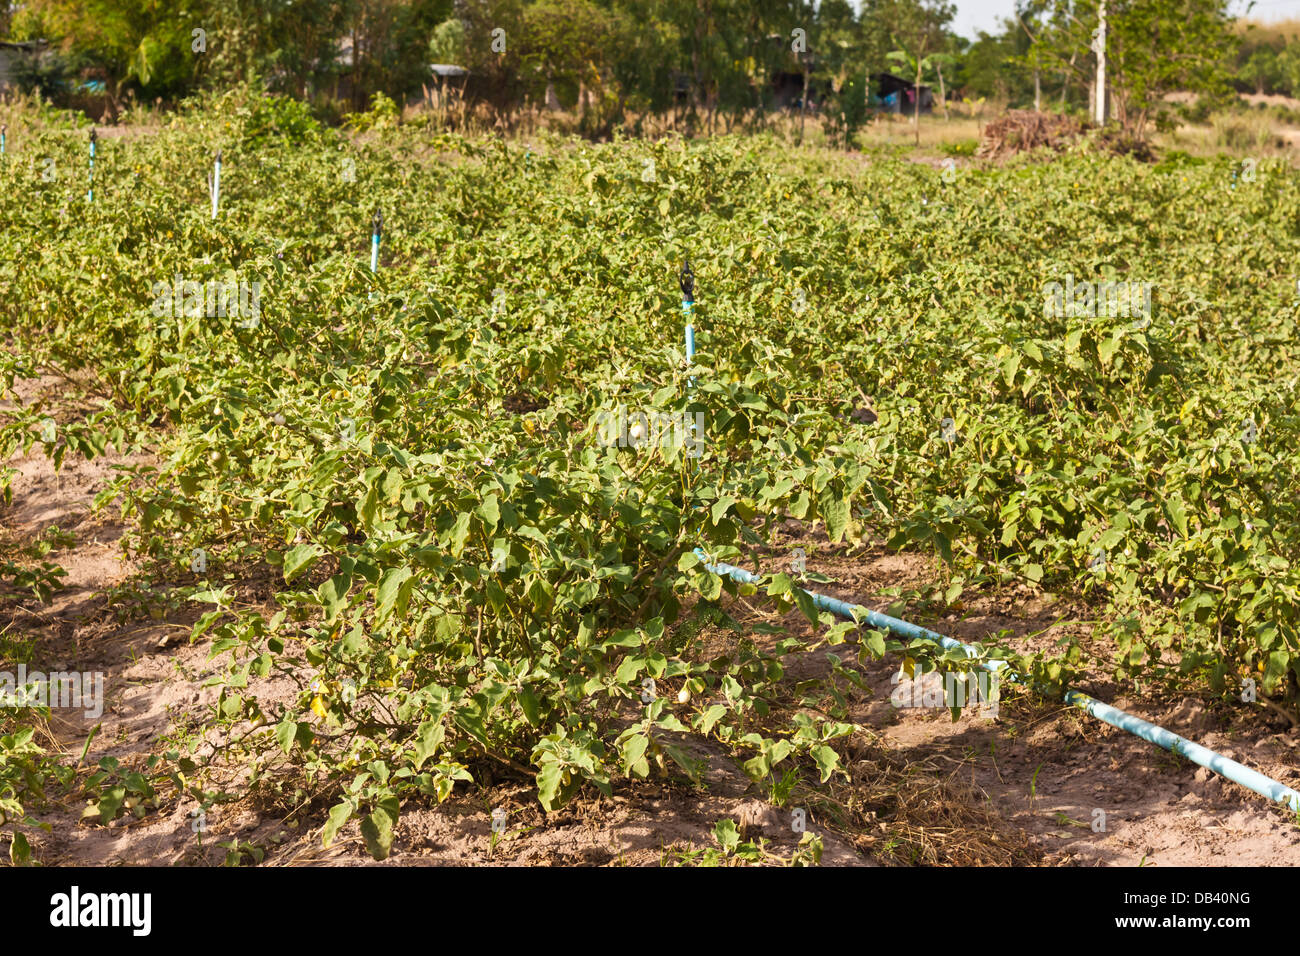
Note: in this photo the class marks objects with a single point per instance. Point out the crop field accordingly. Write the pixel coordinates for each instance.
(418, 563)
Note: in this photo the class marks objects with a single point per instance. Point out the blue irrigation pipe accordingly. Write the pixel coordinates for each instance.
(376, 230)
(1152, 733)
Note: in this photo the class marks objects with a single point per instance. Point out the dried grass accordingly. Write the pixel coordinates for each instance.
(913, 813)
(1021, 131)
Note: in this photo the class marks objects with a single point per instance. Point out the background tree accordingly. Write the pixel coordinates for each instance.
(1153, 48)
(709, 64)
(293, 47)
(1262, 70)
(117, 41)
(916, 30)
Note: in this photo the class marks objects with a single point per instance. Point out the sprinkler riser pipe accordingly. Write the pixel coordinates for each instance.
(216, 186)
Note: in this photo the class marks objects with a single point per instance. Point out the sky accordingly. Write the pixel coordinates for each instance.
(975, 15)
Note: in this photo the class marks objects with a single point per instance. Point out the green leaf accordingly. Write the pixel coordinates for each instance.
(706, 721)
(1010, 365)
(624, 639)
(490, 512)
(628, 670)
(300, 559)
(20, 851)
(549, 780)
(393, 593)
(529, 705)
(460, 534)
(1177, 514)
(805, 603)
(634, 762)
(428, 738)
(836, 512)
(1106, 347)
(800, 506)
(339, 814)
(727, 835)
(377, 831)
(828, 761)
(779, 585)
(720, 508)
(110, 802)
(286, 732)
(333, 596)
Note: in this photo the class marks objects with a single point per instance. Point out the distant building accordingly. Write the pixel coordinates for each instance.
(894, 94)
(445, 70)
(787, 91)
(449, 82)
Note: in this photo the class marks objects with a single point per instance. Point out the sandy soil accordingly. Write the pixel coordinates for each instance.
(1049, 768)
(153, 679)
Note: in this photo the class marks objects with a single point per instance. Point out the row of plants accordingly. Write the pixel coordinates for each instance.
(468, 575)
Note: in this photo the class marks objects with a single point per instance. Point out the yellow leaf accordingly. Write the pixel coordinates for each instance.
(318, 706)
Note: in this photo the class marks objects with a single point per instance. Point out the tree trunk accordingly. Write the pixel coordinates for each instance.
(358, 98)
(1065, 77)
(1103, 94)
(113, 89)
(943, 96)
(695, 70)
(916, 106)
(803, 104)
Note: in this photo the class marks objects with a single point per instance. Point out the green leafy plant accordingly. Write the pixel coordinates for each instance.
(408, 508)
